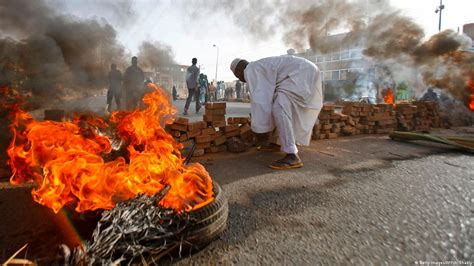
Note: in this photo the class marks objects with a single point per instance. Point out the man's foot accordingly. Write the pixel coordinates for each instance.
(185, 113)
(290, 161)
(270, 147)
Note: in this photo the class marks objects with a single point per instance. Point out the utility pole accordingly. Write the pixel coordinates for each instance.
(440, 10)
(217, 61)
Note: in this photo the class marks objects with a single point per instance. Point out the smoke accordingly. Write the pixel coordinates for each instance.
(50, 54)
(120, 13)
(55, 51)
(390, 40)
(155, 55)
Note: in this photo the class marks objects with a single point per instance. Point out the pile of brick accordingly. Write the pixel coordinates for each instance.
(332, 125)
(211, 134)
(418, 116)
(427, 116)
(362, 118)
(405, 113)
(377, 119)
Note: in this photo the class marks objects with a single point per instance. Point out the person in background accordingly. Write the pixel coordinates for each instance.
(175, 93)
(133, 84)
(238, 89)
(430, 96)
(192, 81)
(212, 92)
(203, 86)
(115, 85)
(286, 95)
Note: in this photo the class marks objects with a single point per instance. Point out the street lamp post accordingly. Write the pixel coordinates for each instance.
(217, 60)
(440, 10)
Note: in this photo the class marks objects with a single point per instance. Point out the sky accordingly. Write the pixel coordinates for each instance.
(168, 22)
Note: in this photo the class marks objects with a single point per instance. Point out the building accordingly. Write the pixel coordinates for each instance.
(166, 77)
(468, 29)
(346, 72)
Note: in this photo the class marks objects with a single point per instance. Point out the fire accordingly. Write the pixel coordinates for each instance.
(389, 97)
(66, 159)
(470, 85)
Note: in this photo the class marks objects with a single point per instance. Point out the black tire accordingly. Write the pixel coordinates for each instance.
(210, 221)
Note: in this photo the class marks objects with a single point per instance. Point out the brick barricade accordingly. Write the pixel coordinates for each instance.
(356, 118)
(347, 119)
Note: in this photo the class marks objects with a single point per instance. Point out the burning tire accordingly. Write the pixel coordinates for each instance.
(209, 221)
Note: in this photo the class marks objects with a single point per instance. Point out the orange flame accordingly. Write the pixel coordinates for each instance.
(66, 160)
(470, 85)
(389, 97)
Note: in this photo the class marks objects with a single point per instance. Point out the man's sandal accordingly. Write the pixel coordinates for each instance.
(285, 165)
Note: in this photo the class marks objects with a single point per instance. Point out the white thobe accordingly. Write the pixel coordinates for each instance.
(286, 92)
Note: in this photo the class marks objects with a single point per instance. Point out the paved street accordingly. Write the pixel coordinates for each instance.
(357, 200)
(360, 200)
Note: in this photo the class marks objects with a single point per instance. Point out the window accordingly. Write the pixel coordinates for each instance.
(345, 55)
(335, 75)
(343, 74)
(327, 58)
(327, 75)
(356, 54)
(335, 56)
(320, 58)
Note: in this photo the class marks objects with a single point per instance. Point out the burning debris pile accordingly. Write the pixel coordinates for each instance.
(140, 230)
(153, 200)
(134, 229)
(66, 160)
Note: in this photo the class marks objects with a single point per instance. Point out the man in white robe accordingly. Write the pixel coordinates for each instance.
(286, 93)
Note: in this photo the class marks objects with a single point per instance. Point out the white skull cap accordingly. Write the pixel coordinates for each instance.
(234, 64)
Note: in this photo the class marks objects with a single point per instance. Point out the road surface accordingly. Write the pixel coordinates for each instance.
(357, 200)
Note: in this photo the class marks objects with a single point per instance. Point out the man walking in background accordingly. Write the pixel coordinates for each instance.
(192, 79)
(286, 94)
(133, 84)
(115, 85)
(238, 90)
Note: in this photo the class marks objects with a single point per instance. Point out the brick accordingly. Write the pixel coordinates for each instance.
(197, 125)
(324, 117)
(219, 140)
(203, 138)
(208, 131)
(203, 145)
(215, 112)
(326, 127)
(179, 127)
(244, 129)
(174, 133)
(214, 118)
(218, 105)
(238, 120)
(232, 133)
(331, 135)
(231, 128)
(181, 121)
(194, 133)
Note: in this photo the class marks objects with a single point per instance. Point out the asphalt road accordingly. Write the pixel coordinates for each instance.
(364, 200)
(358, 200)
